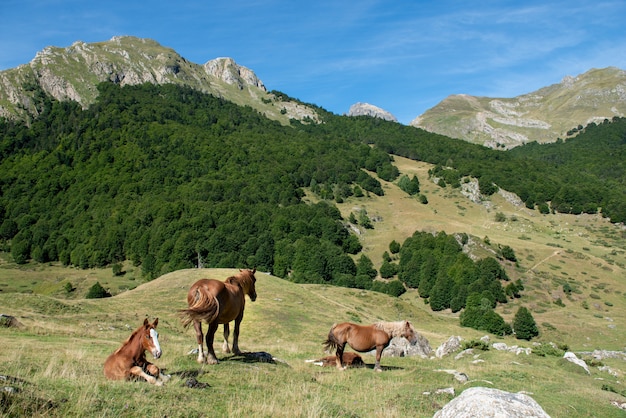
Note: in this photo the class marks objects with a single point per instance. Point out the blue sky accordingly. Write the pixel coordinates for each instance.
(403, 56)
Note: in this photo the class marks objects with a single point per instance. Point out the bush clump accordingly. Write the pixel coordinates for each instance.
(97, 292)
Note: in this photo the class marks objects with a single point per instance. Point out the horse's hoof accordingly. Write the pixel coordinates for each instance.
(165, 377)
(211, 361)
(378, 369)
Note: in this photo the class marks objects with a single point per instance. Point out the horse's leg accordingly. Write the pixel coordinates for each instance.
(379, 352)
(137, 371)
(210, 336)
(339, 356)
(236, 335)
(197, 325)
(225, 347)
(156, 372)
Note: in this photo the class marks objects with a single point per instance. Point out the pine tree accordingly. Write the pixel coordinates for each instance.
(524, 325)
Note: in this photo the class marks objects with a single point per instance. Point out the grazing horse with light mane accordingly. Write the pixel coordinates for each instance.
(217, 303)
(129, 361)
(365, 338)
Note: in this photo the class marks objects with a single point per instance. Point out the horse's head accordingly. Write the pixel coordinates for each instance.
(150, 338)
(249, 283)
(409, 332)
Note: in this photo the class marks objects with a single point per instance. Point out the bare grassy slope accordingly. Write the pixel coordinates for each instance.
(57, 359)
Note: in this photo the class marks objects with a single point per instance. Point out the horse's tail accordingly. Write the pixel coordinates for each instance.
(205, 307)
(331, 342)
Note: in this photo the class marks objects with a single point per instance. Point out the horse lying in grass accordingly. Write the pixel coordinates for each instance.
(349, 360)
(365, 338)
(129, 361)
(217, 303)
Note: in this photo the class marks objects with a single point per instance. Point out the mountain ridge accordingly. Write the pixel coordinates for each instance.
(73, 73)
(543, 115)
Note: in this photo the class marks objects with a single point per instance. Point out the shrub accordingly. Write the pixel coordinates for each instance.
(508, 253)
(97, 292)
(117, 269)
(68, 287)
(544, 349)
(477, 344)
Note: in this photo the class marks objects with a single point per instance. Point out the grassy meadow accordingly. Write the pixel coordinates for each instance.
(55, 359)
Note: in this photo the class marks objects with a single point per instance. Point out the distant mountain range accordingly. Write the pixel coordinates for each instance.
(72, 73)
(543, 115)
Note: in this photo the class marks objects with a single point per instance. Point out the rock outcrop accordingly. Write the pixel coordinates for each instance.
(487, 402)
(73, 73)
(366, 109)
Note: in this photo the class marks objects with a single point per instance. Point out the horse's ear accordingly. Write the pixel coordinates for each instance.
(254, 270)
(156, 321)
(145, 322)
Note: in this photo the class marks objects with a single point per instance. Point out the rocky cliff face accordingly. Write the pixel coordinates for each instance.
(366, 109)
(543, 116)
(227, 70)
(72, 73)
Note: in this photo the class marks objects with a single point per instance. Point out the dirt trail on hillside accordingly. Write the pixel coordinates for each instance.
(555, 253)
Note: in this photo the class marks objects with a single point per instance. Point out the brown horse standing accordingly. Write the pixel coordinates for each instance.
(129, 360)
(217, 303)
(364, 338)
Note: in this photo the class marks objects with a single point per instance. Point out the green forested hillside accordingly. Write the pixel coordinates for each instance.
(169, 178)
(585, 174)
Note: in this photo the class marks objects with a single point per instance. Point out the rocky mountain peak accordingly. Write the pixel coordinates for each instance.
(227, 70)
(366, 109)
(73, 73)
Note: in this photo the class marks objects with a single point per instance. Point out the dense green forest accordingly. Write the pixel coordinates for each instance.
(168, 177)
(171, 178)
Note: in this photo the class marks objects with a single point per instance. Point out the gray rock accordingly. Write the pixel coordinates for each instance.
(453, 344)
(366, 109)
(485, 402)
(571, 357)
(400, 347)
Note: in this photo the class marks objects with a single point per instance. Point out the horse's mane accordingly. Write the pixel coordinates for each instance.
(129, 339)
(242, 279)
(394, 329)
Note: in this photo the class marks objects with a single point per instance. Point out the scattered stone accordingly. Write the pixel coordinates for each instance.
(464, 353)
(460, 376)
(401, 347)
(513, 349)
(603, 354)
(609, 370)
(569, 356)
(620, 405)
(486, 402)
(453, 344)
(447, 391)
